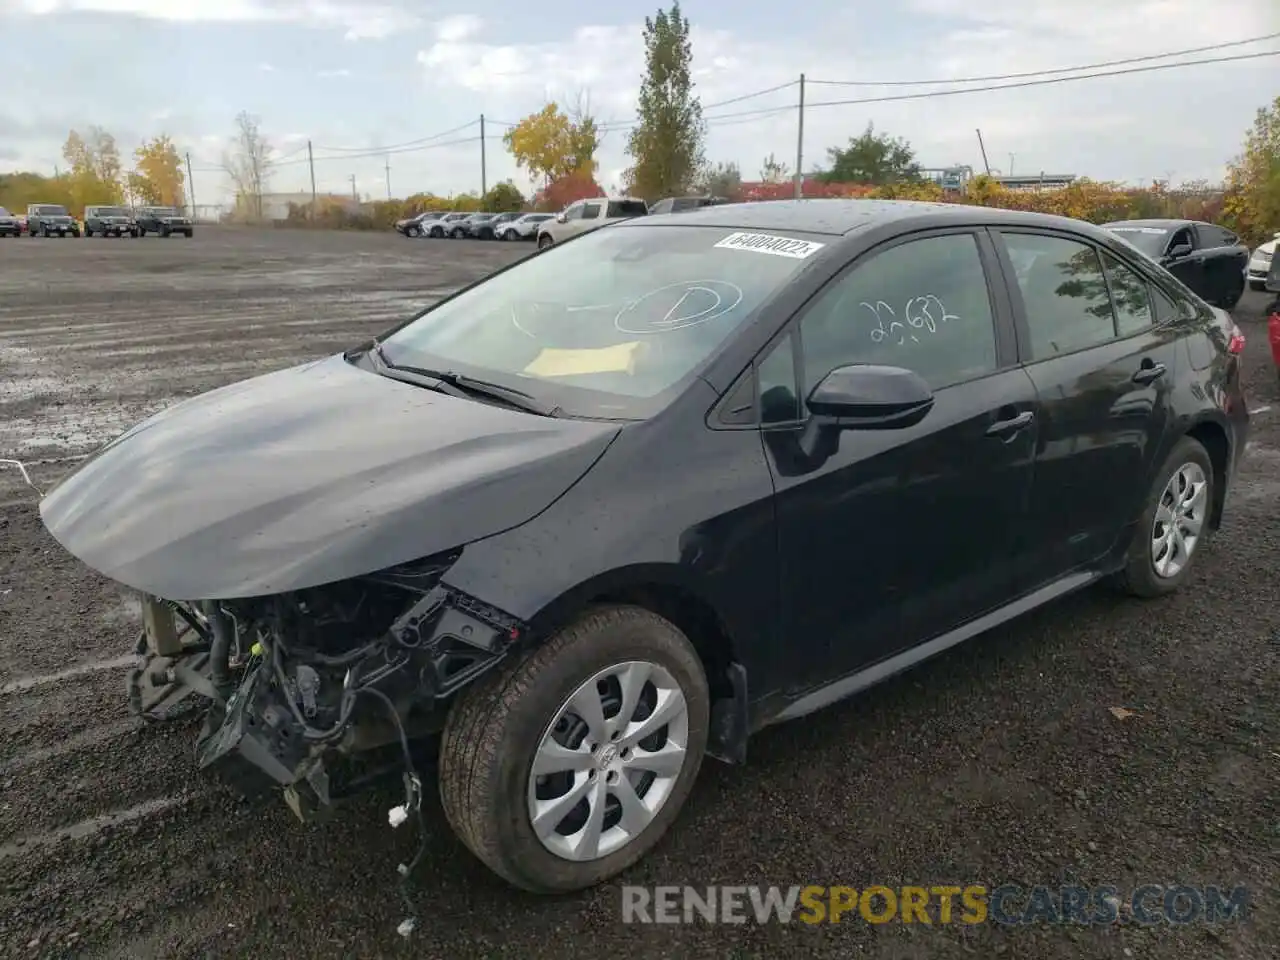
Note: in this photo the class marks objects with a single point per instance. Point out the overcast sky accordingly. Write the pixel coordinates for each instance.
(363, 74)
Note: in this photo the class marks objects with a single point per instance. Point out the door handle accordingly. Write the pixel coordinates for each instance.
(1149, 373)
(1005, 428)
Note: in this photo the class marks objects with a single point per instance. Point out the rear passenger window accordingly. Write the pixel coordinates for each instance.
(923, 305)
(1129, 296)
(1064, 293)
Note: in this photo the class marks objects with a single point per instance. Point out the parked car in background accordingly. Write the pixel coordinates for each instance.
(1260, 263)
(50, 220)
(487, 229)
(468, 227)
(412, 226)
(22, 223)
(1208, 258)
(618, 507)
(684, 204)
(523, 227)
(578, 218)
(109, 222)
(165, 221)
(441, 225)
(9, 224)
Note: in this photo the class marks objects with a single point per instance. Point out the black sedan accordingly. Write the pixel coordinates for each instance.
(1209, 259)
(745, 462)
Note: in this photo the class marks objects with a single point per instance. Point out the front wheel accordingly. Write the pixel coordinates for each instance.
(1175, 524)
(412, 232)
(437, 232)
(568, 765)
(545, 241)
(1257, 285)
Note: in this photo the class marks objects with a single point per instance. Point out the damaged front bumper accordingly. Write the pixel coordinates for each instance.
(304, 690)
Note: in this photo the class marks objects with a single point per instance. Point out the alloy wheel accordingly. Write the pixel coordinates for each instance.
(1179, 519)
(608, 761)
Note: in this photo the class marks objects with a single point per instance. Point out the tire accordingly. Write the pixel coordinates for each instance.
(1139, 577)
(165, 232)
(494, 730)
(188, 233)
(437, 233)
(412, 232)
(1257, 284)
(545, 241)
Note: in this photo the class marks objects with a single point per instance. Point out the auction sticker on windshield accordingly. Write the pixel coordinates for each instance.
(768, 243)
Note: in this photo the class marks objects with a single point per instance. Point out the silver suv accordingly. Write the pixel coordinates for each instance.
(578, 218)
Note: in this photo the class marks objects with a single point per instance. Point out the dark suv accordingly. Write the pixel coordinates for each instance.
(109, 222)
(165, 221)
(10, 226)
(50, 220)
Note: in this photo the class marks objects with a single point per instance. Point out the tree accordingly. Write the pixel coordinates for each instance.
(550, 144)
(248, 165)
(503, 197)
(667, 143)
(158, 179)
(721, 180)
(570, 188)
(95, 174)
(872, 158)
(774, 171)
(1253, 183)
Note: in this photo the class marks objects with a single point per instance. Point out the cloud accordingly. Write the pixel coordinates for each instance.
(266, 68)
(367, 20)
(1130, 127)
(326, 74)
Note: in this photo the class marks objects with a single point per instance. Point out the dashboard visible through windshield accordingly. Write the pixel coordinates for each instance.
(609, 323)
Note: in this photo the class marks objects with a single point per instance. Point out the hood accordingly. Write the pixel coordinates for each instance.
(307, 476)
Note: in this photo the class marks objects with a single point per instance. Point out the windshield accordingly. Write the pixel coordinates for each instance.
(4, 212)
(606, 324)
(109, 212)
(51, 210)
(1149, 240)
(162, 211)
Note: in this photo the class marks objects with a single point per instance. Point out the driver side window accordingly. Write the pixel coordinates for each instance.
(923, 305)
(1182, 236)
(573, 211)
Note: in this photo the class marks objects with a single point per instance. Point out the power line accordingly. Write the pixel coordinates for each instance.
(1044, 82)
(1042, 73)
(398, 146)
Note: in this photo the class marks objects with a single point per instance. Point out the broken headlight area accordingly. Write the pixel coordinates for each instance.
(307, 689)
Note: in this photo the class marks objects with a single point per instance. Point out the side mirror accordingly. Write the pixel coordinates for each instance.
(561, 218)
(1178, 251)
(870, 397)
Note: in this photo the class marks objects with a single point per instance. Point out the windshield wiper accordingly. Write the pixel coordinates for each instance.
(460, 385)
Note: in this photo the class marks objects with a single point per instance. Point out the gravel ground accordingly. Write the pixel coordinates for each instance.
(999, 762)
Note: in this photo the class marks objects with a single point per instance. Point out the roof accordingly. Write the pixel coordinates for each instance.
(1157, 222)
(836, 216)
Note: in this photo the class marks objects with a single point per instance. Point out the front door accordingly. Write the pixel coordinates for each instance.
(890, 537)
(1104, 370)
(1189, 267)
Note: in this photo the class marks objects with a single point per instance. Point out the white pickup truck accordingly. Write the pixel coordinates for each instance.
(588, 215)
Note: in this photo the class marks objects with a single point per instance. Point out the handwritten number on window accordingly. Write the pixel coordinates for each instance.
(925, 313)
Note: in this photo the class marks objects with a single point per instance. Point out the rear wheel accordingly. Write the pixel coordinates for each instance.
(1257, 285)
(412, 232)
(437, 232)
(566, 767)
(545, 241)
(1175, 524)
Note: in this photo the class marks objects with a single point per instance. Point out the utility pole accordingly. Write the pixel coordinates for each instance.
(191, 185)
(311, 162)
(354, 195)
(388, 176)
(1011, 156)
(983, 148)
(484, 179)
(800, 145)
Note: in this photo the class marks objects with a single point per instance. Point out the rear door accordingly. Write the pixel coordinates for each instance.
(1225, 261)
(592, 216)
(1104, 367)
(890, 537)
(1188, 268)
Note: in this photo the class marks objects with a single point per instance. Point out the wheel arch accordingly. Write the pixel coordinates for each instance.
(664, 589)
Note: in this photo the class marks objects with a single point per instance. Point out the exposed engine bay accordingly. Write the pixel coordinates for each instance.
(300, 684)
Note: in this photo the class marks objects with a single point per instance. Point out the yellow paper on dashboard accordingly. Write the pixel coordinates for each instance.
(620, 358)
